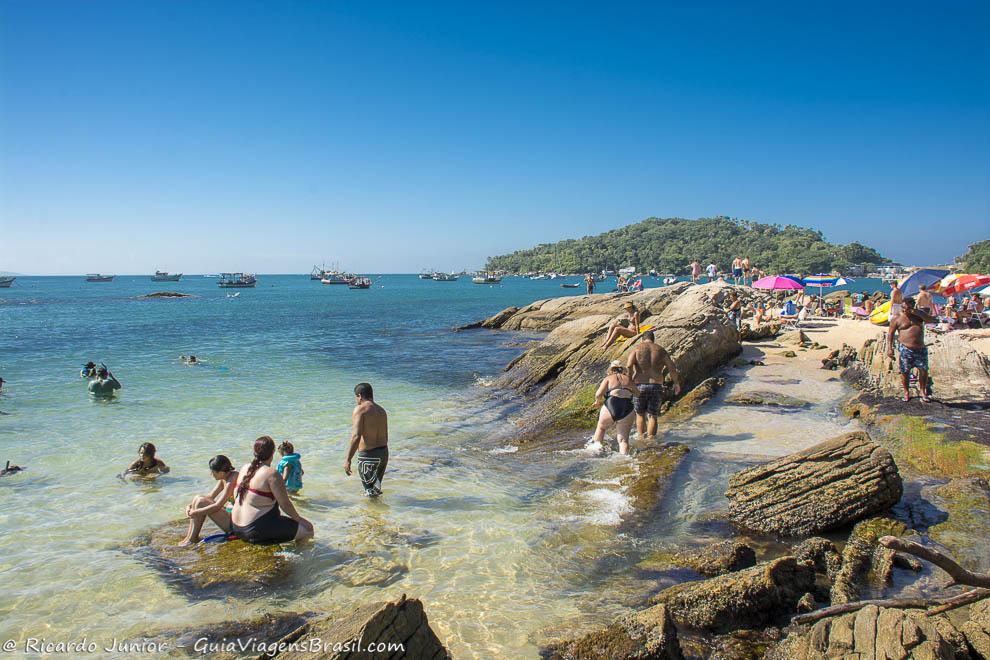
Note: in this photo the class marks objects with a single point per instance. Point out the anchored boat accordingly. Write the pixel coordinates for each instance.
(165, 276)
(6, 281)
(237, 281)
(359, 283)
(487, 278)
(96, 277)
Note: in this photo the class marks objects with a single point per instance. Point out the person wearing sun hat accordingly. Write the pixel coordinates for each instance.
(625, 326)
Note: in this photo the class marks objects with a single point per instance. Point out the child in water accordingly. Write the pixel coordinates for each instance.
(290, 467)
(147, 463)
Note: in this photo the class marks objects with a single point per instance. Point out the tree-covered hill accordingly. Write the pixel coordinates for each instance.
(976, 259)
(671, 244)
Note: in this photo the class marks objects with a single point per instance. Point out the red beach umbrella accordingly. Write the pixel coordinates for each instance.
(963, 283)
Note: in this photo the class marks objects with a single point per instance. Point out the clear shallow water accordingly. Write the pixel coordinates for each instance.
(505, 547)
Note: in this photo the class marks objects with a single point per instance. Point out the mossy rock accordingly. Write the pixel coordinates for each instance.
(766, 398)
(967, 528)
(864, 561)
(236, 633)
(687, 406)
(577, 411)
(789, 354)
(370, 571)
(205, 570)
(647, 488)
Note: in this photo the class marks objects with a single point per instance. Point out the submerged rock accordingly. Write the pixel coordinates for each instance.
(400, 622)
(872, 632)
(977, 629)
(960, 373)
(864, 561)
(647, 487)
(688, 405)
(646, 635)
(967, 528)
(827, 486)
(231, 634)
(766, 398)
(211, 569)
(165, 294)
(750, 598)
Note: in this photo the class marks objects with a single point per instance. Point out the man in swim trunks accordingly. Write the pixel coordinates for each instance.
(104, 385)
(747, 268)
(369, 439)
(737, 270)
(909, 326)
(646, 364)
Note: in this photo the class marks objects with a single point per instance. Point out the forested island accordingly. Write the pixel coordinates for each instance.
(669, 245)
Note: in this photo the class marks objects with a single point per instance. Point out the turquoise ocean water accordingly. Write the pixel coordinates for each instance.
(504, 552)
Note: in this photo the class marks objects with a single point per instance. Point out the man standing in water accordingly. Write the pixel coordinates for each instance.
(104, 385)
(589, 282)
(646, 364)
(369, 439)
(909, 325)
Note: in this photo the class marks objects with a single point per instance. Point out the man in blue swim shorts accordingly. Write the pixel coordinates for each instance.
(909, 326)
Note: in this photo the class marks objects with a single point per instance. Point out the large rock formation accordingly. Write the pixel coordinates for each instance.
(564, 369)
(864, 561)
(830, 485)
(872, 632)
(646, 635)
(961, 373)
(977, 629)
(749, 598)
(397, 629)
(718, 558)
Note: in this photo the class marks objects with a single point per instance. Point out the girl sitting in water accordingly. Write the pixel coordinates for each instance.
(256, 516)
(214, 504)
(290, 467)
(147, 464)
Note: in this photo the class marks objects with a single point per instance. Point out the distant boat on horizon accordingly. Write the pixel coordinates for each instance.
(237, 281)
(165, 276)
(487, 278)
(336, 277)
(96, 277)
(359, 283)
(6, 281)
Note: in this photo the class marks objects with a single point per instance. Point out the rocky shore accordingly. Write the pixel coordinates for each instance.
(801, 532)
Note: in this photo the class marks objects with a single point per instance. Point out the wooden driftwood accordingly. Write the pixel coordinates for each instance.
(933, 606)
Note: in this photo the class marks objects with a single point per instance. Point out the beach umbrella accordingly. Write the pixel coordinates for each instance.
(842, 281)
(820, 280)
(910, 285)
(777, 282)
(963, 283)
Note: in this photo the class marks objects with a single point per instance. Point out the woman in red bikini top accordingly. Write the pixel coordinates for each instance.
(256, 517)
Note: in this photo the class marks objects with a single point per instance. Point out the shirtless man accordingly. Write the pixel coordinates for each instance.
(369, 439)
(646, 364)
(104, 385)
(737, 270)
(695, 271)
(909, 325)
(896, 299)
(924, 300)
(747, 271)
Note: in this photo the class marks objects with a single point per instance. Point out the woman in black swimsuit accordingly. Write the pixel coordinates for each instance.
(256, 517)
(615, 395)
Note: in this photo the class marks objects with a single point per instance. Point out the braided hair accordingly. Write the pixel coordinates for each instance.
(264, 449)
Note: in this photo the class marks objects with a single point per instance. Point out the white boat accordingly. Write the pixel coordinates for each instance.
(359, 283)
(237, 281)
(6, 281)
(96, 277)
(443, 277)
(336, 277)
(487, 278)
(426, 275)
(165, 276)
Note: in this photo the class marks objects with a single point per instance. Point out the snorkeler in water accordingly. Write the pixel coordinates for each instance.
(10, 469)
(88, 370)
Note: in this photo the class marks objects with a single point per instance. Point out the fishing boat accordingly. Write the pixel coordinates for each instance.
(318, 273)
(487, 278)
(237, 281)
(336, 277)
(443, 277)
(96, 277)
(165, 276)
(6, 281)
(426, 275)
(359, 283)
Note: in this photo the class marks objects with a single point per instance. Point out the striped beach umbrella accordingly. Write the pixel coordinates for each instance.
(953, 284)
(820, 280)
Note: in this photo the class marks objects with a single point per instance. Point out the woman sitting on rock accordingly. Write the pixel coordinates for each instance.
(626, 326)
(214, 504)
(256, 517)
(615, 396)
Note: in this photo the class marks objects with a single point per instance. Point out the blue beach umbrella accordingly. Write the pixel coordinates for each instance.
(910, 285)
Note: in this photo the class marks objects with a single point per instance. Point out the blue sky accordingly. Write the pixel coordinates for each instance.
(268, 136)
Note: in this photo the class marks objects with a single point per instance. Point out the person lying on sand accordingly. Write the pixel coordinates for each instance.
(147, 464)
(256, 516)
(214, 504)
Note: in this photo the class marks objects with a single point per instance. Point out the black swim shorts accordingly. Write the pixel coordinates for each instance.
(648, 401)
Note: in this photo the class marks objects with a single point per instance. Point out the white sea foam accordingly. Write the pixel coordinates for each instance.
(607, 506)
(508, 449)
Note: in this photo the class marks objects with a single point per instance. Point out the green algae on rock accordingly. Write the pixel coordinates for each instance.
(967, 529)
(864, 561)
(766, 398)
(649, 634)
